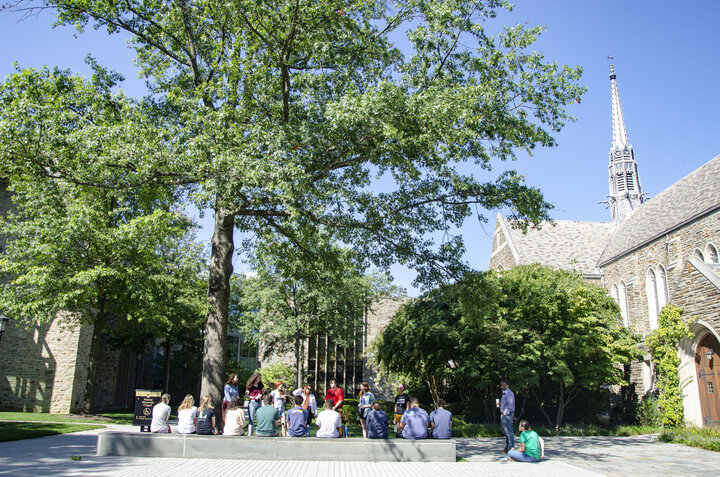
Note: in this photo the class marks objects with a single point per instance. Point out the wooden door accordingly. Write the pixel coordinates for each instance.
(708, 378)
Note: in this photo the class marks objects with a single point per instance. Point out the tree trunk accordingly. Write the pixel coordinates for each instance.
(166, 369)
(561, 408)
(216, 322)
(94, 360)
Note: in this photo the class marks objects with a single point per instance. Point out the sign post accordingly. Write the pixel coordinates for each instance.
(145, 399)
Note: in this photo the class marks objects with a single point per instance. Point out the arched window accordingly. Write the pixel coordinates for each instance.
(711, 254)
(662, 288)
(622, 301)
(698, 254)
(614, 293)
(652, 298)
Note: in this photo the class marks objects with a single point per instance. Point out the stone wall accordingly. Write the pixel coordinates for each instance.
(378, 318)
(501, 256)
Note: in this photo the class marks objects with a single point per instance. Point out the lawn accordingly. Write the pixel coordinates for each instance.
(14, 431)
(705, 438)
(104, 418)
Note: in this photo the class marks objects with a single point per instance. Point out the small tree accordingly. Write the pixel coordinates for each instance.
(663, 343)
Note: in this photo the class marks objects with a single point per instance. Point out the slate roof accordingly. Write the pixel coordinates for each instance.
(690, 198)
(570, 244)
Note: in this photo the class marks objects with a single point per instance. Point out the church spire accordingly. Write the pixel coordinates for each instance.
(625, 190)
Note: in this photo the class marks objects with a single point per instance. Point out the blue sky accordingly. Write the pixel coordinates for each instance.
(667, 65)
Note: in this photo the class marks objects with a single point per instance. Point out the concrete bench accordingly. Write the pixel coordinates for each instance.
(274, 448)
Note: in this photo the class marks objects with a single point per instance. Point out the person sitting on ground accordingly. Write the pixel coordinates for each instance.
(376, 422)
(187, 415)
(205, 422)
(160, 415)
(532, 446)
(414, 422)
(329, 422)
(267, 418)
(297, 418)
(441, 421)
(234, 418)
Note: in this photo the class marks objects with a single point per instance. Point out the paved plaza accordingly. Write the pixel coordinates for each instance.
(567, 457)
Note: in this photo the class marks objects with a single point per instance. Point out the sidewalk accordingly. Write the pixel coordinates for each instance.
(567, 457)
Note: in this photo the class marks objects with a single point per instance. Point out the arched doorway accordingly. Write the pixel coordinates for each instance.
(707, 364)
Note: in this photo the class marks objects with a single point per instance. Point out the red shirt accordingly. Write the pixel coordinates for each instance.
(337, 395)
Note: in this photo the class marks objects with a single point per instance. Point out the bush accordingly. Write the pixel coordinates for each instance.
(648, 413)
(278, 372)
(706, 438)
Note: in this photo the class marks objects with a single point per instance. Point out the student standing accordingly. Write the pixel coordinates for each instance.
(414, 422)
(309, 402)
(507, 414)
(336, 394)
(187, 415)
(234, 418)
(229, 391)
(402, 404)
(205, 423)
(278, 395)
(532, 446)
(160, 415)
(441, 421)
(366, 401)
(253, 392)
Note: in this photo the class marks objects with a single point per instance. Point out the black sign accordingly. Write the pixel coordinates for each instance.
(145, 399)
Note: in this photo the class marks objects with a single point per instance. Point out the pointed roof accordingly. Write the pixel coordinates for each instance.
(690, 198)
(619, 133)
(568, 244)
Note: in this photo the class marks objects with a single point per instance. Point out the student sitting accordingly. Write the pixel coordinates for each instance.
(267, 418)
(329, 422)
(414, 422)
(205, 423)
(234, 418)
(297, 418)
(376, 422)
(532, 446)
(441, 421)
(160, 415)
(187, 415)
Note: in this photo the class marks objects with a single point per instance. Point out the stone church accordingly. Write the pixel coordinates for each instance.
(651, 253)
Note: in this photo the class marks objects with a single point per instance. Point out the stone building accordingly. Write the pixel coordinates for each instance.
(651, 253)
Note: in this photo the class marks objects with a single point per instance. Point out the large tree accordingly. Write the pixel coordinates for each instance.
(301, 123)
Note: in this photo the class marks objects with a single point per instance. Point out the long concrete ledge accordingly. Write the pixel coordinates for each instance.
(273, 448)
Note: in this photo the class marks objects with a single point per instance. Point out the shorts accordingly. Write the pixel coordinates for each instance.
(398, 417)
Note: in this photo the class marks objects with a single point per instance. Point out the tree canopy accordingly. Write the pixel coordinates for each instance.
(545, 330)
(303, 124)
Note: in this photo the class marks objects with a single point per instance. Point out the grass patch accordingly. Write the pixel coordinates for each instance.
(705, 438)
(103, 418)
(14, 431)
(495, 430)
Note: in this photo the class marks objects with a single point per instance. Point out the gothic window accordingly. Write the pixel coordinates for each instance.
(652, 298)
(622, 301)
(698, 254)
(662, 288)
(629, 181)
(614, 293)
(621, 182)
(711, 254)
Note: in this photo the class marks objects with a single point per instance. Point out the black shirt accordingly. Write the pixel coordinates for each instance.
(401, 401)
(204, 421)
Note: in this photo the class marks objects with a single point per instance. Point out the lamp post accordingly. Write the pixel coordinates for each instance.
(3, 324)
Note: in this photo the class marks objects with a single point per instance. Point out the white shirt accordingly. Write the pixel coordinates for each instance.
(312, 406)
(328, 421)
(234, 422)
(278, 401)
(160, 415)
(186, 420)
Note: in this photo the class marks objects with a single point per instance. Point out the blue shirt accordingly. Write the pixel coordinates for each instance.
(442, 420)
(415, 420)
(230, 392)
(297, 419)
(507, 403)
(377, 424)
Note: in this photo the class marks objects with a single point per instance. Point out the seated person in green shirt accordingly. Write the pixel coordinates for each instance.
(267, 418)
(532, 446)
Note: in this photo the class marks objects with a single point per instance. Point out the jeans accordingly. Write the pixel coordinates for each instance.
(507, 427)
(521, 456)
(253, 406)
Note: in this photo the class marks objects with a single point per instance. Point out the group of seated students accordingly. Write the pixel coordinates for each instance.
(295, 422)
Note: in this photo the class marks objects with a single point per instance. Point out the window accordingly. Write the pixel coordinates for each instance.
(651, 292)
(622, 301)
(242, 350)
(711, 254)
(662, 288)
(698, 254)
(614, 293)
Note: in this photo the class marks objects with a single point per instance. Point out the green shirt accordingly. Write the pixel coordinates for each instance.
(532, 443)
(266, 417)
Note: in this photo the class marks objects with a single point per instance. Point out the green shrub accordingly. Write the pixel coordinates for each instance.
(278, 372)
(648, 413)
(705, 438)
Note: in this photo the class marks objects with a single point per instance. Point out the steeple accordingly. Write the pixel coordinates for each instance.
(625, 190)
